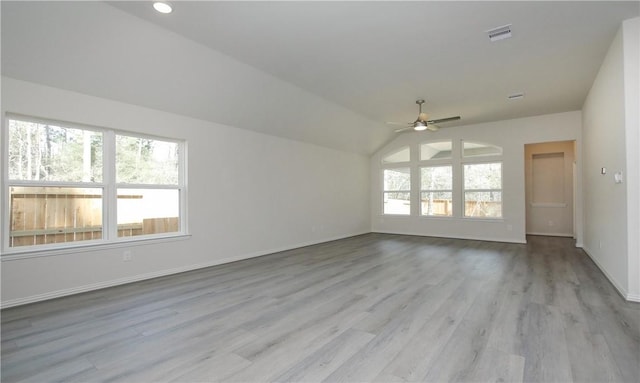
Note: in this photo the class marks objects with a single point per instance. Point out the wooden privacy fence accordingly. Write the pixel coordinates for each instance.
(55, 215)
(471, 208)
(438, 207)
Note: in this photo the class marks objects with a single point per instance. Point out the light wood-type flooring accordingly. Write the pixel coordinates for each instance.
(372, 308)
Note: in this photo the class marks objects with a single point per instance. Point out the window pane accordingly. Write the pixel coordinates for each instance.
(436, 178)
(146, 161)
(48, 152)
(483, 204)
(483, 176)
(435, 150)
(397, 203)
(397, 179)
(148, 211)
(402, 155)
(474, 149)
(42, 215)
(436, 203)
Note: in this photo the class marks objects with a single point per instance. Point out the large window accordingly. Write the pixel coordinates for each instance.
(483, 190)
(436, 186)
(68, 183)
(443, 178)
(397, 191)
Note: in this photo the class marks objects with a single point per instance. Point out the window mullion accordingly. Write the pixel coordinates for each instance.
(4, 138)
(110, 201)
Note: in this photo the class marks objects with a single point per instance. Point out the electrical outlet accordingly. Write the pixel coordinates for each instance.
(127, 255)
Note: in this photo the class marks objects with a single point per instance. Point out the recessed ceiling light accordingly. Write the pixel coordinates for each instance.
(162, 7)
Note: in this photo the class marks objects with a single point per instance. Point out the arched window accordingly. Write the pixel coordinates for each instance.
(435, 150)
(479, 149)
(402, 155)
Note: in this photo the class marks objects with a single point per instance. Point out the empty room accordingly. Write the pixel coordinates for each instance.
(311, 191)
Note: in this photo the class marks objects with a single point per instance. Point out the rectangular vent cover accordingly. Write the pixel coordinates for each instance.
(500, 33)
(515, 96)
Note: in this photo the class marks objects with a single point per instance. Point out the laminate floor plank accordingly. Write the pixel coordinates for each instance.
(293, 349)
(317, 366)
(546, 354)
(375, 308)
(414, 361)
(208, 369)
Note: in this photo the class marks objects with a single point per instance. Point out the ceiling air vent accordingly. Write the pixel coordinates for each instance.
(500, 33)
(515, 96)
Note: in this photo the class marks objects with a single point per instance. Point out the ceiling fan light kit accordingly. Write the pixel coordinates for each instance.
(420, 125)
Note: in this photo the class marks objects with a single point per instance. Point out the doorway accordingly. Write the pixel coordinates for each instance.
(549, 188)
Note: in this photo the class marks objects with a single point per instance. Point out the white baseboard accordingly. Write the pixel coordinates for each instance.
(633, 297)
(553, 234)
(161, 273)
(621, 290)
(471, 238)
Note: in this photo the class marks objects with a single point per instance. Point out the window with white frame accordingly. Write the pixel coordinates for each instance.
(67, 184)
(483, 189)
(436, 191)
(397, 191)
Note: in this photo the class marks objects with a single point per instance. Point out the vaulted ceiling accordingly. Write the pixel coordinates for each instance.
(372, 59)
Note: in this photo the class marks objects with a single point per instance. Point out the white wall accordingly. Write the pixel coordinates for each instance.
(610, 131)
(94, 48)
(512, 135)
(248, 194)
(631, 42)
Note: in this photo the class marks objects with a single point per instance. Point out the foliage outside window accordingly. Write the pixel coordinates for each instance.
(436, 191)
(483, 190)
(397, 191)
(60, 189)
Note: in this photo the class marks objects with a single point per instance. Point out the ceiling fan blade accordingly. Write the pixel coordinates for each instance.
(403, 129)
(433, 128)
(398, 123)
(443, 120)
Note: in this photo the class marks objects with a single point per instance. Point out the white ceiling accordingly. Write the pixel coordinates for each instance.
(374, 58)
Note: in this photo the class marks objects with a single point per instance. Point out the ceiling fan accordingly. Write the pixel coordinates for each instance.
(421, 123)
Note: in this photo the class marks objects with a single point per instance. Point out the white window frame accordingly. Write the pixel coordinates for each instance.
(465, 190)
(108, 185)
(446, 160)
(436, 162)
(481, 156)
(408, 191)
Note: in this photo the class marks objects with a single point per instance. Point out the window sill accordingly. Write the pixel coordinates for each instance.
(19, 254)
(437, 217)
(450, 218)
